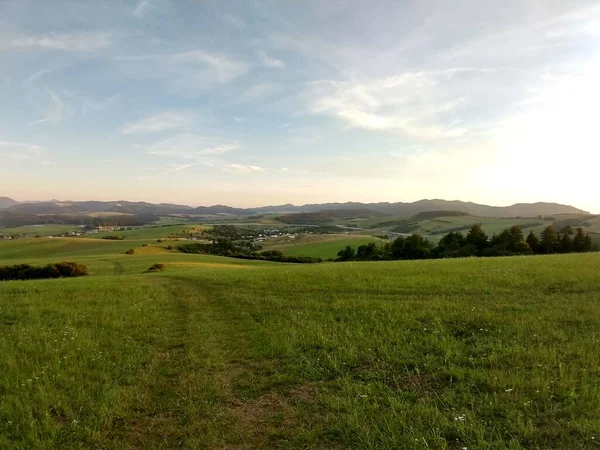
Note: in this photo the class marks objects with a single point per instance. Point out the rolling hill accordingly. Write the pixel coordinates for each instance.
(6, 202)
(383, 208)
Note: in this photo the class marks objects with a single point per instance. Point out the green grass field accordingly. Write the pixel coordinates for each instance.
(39, 230)
(323, 246)
(224, 353)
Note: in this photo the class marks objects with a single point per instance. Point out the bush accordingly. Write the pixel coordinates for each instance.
(170, 247)
(114, 238)
(27, 272)
(159, 240)
(156, 268)
(144, 245)
(130, 252)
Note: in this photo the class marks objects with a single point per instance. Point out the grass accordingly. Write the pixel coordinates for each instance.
(223, 353)
(39, 230)
(318, 246)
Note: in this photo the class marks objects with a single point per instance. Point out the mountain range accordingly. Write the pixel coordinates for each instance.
(397, 209)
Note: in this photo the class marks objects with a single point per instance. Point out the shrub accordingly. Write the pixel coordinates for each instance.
(130, 252)
(27, 272)
(156, 268)
(170, 247)
(114, 238)
(144, 245)
(159, 240)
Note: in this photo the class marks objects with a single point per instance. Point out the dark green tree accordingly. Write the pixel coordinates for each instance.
(549, 240)
(533, 242)
(397, 248)
(449, 246)
(416, 247)
(477, 238)
(579, 241)
(368, 252)
(346, 254)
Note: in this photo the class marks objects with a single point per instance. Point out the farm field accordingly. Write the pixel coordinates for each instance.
(39, 230)
(224, 353)
(319, 245)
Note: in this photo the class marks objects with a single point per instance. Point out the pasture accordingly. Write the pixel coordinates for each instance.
(323, 246)
(223, 353)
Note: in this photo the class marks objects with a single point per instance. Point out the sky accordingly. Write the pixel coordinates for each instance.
(268, 102)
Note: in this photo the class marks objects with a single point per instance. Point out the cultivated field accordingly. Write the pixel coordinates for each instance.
(225, 353)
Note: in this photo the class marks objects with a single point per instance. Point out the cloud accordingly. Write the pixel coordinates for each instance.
(179, 167)
(75, 42)
(30, 80)
(235, 21)
(424, 105)
(220, 68)
(140, 8)
(159, 122)
(241, 168)
(55, 111)
(191, 146)
(268, 61)
(20, 151)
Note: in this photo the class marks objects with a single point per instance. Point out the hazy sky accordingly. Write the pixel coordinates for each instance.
(266, 102)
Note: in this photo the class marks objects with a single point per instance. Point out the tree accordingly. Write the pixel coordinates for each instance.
(397, 248)
(579, 241)
(566, 244)
(548, 242)
(415, 247)
(346, 254)
(533, 242)
(477, 238)
(368, 252)
(587, 243)
(449, 246)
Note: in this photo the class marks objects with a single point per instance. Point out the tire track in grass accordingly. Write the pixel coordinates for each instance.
(159, 420)
(189, 394)
(118, 267)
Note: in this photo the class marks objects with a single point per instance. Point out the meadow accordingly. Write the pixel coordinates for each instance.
(486, 353)
(325, 246)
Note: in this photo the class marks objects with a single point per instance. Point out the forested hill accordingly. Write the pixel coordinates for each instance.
(383, 208)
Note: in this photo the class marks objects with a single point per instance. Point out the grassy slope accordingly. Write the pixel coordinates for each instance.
(40, 230)
(318, 246)
(477, 353)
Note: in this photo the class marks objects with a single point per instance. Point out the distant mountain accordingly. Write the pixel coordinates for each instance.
(421, 206)
(120, 206)
(222, 209)
(325, 216)
(6, 202)
(384, 208)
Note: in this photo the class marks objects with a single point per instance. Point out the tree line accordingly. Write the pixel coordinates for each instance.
(28, 272)
(476, 242)
(243, 250)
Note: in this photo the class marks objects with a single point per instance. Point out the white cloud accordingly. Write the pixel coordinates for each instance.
(159, 122)
(241, 168)
(420, 104)
(191, 146)
(75, 42)
(20, 151)
(269, 61)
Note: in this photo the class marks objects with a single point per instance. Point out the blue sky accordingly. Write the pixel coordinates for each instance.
(268, 102)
